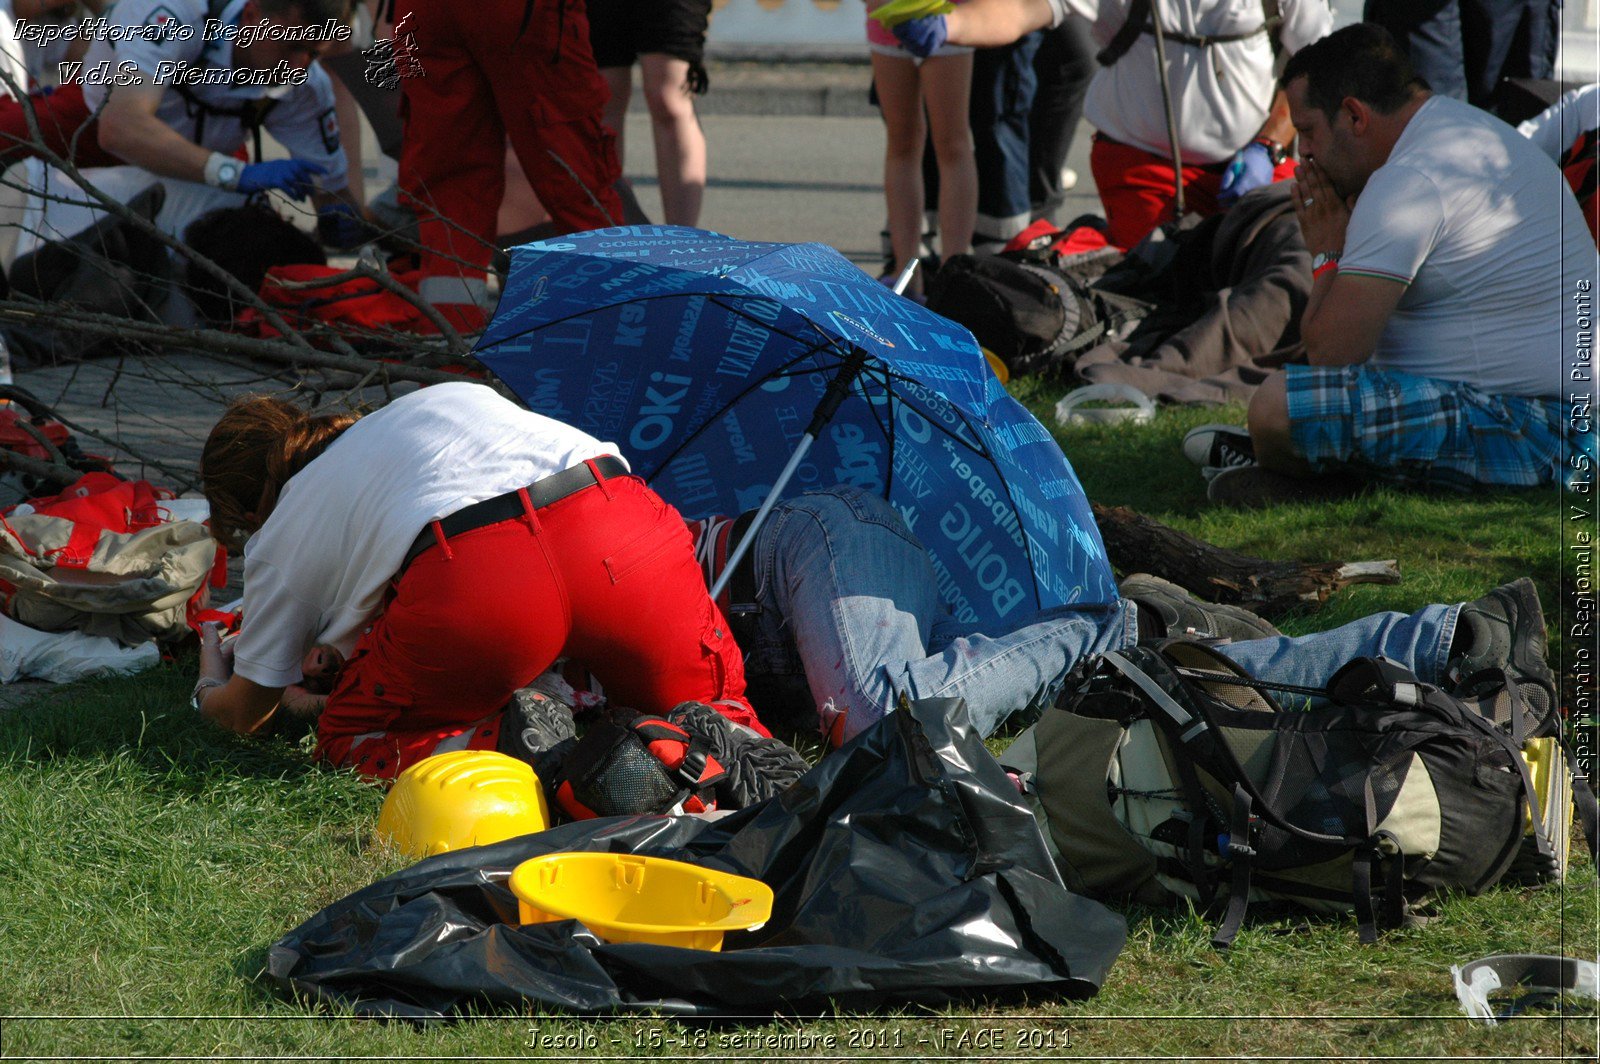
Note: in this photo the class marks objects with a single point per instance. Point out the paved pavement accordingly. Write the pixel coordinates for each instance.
(782, 178)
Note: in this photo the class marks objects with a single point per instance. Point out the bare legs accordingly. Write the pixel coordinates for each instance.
(939, 88)
(679, 142)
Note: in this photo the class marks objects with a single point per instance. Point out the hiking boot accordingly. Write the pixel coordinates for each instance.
(756, 767)
(1251, 486)
(1505, 630)
(1215, 448)
(1165, 609)
(537, 729)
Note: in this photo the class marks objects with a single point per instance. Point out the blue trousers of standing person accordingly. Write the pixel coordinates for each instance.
(850, 617)
(1063, 67)
(1003, 87)
(1464, 48)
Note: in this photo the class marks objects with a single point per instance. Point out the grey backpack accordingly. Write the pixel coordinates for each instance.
(1170, 773)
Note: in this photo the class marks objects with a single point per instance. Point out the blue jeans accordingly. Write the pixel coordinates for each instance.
(850, 618)
(1463, 48)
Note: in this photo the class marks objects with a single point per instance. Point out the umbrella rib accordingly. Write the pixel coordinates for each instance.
(733, 401)
(1027, 540)
(974, 444)
(889, 431)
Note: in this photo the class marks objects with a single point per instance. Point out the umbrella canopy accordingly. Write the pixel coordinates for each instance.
(704, 358)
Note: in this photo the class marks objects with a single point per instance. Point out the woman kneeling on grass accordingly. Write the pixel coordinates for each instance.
(450, 546)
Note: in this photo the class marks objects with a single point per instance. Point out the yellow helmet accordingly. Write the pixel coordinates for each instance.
(997, 364)
(459, 799)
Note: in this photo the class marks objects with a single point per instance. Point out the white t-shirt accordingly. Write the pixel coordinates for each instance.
(1476, 221)
(303, 119)
(1220, 94)
(316, 570)
(1555, 128)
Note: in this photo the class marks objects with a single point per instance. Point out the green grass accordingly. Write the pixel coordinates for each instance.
(149, 862)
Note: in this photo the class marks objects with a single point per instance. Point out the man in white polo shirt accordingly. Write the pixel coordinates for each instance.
(1447, 255)
(1232, 126)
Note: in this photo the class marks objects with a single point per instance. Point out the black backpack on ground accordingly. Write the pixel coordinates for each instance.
(1169, 773)
(1035, 317)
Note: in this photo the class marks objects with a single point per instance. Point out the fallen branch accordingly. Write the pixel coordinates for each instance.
(51, 472)
(1136, 543)
(212, 340)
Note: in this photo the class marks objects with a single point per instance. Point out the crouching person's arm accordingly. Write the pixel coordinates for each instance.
(1345, 314)
(235, 703)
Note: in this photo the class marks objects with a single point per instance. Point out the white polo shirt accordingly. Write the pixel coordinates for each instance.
(1221, 94)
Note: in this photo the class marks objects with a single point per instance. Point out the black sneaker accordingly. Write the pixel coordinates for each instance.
(1165, 609)
(537, 729)
(1215, 448)
(1505, 630)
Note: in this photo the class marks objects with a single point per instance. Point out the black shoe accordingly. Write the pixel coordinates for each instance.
(756, 767)
(537, 729)
(1215, 448)
(1505, 630)
(1251, 487)
(1165, 609)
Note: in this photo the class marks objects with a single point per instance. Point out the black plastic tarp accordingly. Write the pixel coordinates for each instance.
(905, 869)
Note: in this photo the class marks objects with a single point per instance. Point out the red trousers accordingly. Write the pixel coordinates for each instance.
(61, 114)
(483, 78)
(606, 575)
(1137, 188)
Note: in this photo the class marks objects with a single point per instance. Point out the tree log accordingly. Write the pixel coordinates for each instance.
(1136, 543)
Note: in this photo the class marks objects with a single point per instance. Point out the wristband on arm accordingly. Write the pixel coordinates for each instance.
(1277, 152)
(223, 171)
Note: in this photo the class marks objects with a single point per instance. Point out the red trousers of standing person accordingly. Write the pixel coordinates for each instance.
(62, 115)
(1137, 188)
(482, 76)
(606, 575)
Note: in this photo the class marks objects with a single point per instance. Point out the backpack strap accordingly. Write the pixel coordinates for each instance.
(1192, 730)
(251, 115)
(1138, 22)
(1272, 22)
(1242, 855)
(1127, 33)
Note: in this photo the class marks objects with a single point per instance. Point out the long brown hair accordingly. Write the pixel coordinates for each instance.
(258, 444)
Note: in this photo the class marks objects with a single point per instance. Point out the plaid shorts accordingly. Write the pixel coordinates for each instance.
(1423, 431)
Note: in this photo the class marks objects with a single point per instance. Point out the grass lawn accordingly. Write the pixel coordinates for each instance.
(152, 861)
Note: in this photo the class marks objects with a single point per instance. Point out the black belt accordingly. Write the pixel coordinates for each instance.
(541, 493)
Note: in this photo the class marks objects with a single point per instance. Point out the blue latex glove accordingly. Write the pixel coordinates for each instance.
(340, 226)
(923, 36)
(1250, 168)
(293, 176)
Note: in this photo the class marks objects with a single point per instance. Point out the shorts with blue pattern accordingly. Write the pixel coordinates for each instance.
(1425, 431)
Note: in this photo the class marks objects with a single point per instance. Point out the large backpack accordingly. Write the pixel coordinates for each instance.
(1035, 317)
(1169, 773)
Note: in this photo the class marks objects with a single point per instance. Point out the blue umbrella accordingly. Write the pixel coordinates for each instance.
(712, 360)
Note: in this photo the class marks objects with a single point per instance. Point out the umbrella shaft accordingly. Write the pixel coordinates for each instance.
(748, 540)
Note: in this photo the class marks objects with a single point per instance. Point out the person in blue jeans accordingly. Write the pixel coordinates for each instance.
(837, 611)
